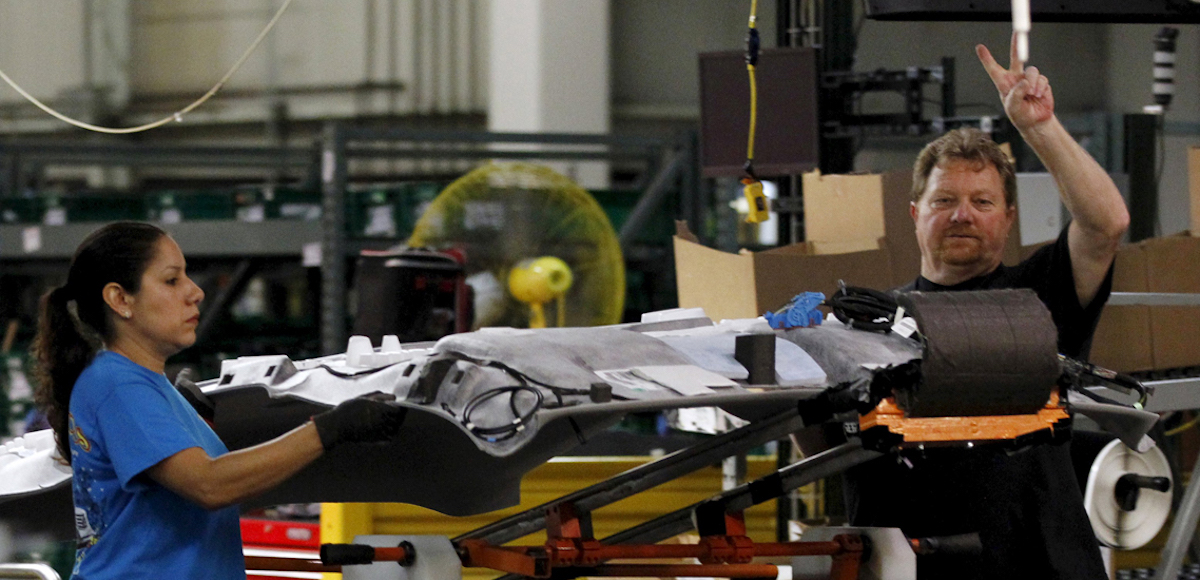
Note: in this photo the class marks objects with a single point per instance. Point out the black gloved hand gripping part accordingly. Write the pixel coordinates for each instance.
(359, 420)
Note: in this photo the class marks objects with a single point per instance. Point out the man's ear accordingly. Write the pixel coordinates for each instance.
(117, 298)
(912, 210)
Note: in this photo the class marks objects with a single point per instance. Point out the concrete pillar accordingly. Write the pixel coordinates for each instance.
(549, 72)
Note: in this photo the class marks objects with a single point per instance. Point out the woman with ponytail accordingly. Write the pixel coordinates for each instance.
(155, 490)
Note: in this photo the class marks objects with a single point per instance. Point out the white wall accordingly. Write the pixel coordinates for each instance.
(40, 47)
(435, 48)
(431, 46)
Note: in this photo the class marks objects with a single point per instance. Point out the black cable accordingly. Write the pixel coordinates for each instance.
(516, 374)
(863, 308)
(1077, 369)
(519, 420)
(1098, 397)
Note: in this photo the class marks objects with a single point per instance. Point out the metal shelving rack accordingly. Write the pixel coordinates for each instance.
(668, 163)
(668, 166)
(21, 162)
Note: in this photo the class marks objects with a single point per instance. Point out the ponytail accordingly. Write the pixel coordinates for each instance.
(60, 352)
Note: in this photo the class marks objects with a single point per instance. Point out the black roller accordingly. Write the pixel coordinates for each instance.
(991, 352)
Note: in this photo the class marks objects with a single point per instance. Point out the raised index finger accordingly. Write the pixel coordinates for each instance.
(993, 68)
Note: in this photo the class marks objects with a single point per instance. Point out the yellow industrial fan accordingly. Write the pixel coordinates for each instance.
(533, 240)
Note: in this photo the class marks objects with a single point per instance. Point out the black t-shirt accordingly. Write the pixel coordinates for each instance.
(1027, 506)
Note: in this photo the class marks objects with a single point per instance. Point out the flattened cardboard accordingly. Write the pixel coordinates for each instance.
(1173, 265)
(1135, 338)
(901, 237)
(1123, 340)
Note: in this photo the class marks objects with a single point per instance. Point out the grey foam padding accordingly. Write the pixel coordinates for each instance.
(715, 352)
(851, 356)
(990, 352)
(1128, 424)
(859, 364)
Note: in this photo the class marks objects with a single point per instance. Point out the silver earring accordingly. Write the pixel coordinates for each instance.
(126, 314)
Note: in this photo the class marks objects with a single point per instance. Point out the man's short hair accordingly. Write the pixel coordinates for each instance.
(964, 144)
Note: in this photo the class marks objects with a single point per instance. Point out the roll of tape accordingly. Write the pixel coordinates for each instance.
(1113, 525)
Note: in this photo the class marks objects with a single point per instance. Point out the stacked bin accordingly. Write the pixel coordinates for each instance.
(387, 211)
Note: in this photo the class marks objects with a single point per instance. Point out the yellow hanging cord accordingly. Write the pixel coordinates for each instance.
(753, 190)
(751, 62)
(178, 115)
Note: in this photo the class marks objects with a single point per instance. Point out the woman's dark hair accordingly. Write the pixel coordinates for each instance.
(66, 342)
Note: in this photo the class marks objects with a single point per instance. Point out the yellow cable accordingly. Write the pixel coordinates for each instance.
(753, 89)
(1183, 427)
(178, 115)
(758, 210)
(753, 113)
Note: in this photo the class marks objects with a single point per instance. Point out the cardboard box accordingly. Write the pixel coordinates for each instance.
(1134, 338)
(747, 284)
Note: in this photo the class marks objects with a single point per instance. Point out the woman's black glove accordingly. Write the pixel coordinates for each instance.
(359, 420)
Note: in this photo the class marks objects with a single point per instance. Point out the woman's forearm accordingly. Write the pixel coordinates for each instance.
(232, 478)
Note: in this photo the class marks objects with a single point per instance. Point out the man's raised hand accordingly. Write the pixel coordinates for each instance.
(1026, 94)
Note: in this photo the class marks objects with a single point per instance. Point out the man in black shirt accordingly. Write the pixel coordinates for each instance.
(1027, 506)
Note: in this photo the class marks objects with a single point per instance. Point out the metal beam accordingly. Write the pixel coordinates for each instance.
(199, 239)
(654, 196)
(647, 476)
(487, 137)
(799, 474)
(213, 310)
(333, 240)
(1153, 299)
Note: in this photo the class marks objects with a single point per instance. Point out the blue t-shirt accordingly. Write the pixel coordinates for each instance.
(124, 419)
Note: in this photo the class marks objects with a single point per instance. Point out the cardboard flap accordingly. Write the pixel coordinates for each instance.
(720, 282)
(780, 277)
(800, 249)
(840, 208)
(845, 246)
